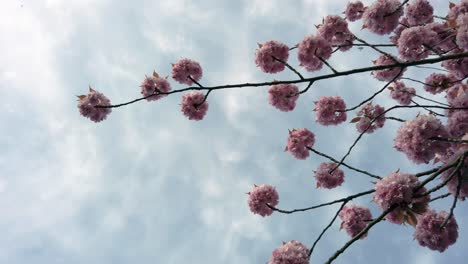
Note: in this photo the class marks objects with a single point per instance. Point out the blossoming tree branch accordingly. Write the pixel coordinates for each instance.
(420, 39)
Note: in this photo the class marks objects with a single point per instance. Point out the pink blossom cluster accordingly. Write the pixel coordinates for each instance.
(299, 141)
(458, 67)
(330, 110)
(283, 96)
(445, 37)
(260, 196)
(328, 180)
(462, 32)
(185, 68)
(382, 16)
(457, 123)
(419, 12)
(438, 82)
(334, 29)
(192, 106)
(457, 96)
(354, 10)
(402, 25)
(387, 75)
(401, 93)
(452, 185)
(355, 218)
(265, 54)
(311, 50)
(153, 85)
(429, 234)
(413, 138)
(458, 9)
(87, 103)
(398, 189)
(292, 252)
(413, 43)
(367, 114)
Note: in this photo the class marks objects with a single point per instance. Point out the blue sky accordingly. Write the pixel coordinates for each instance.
(148, 185)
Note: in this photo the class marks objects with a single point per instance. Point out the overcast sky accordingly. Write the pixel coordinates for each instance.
(148, 185)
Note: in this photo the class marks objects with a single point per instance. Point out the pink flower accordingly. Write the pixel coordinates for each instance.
(419, 12)
(401, 93)
(329, 180)
(457, 123)
(445, 37)
(438, 82)
(292, 252)
(382, 16)
(398, 189)
(184, 68)
(413, 41)
(452, 185)
(265, 53)
(355, 219)
(298, 142)
(152, 85)
(388, 74)
(261, 195)
(334, 29)
(458, 9)
(457, 96)
(458, 67)
(413, 139)
(429, 234)
(462, 32)
(87, 103)
(329, 110)
(354, 11)
(402, 25)
(367, 114)
(311, 49)
(191, 105)
(283, 96)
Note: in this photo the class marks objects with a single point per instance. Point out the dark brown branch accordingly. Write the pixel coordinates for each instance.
(327, 227)
(440, 197)
(346, 165)
(453, 140)
(383, 113)
(289, 67)
(358, 236)
(312, 79)
(395, 118)
(349, 198)
(455, 199)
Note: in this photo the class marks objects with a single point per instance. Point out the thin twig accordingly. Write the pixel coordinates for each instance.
(346, 165)
(440, 197)
(363, 232)
(455, 199)
(349, 198)
(327, 227)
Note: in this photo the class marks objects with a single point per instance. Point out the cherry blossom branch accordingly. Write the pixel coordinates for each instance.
(383, 113)
(327, 227)
(374, 95)
(455, 199)
(442, 169)
(453, 140)
(289, 67)
(395, 118)
(349, 198)
(344, 164)
(312, 79)
(440, 197)
(363, 232)
(442, 184)
(430, 111)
